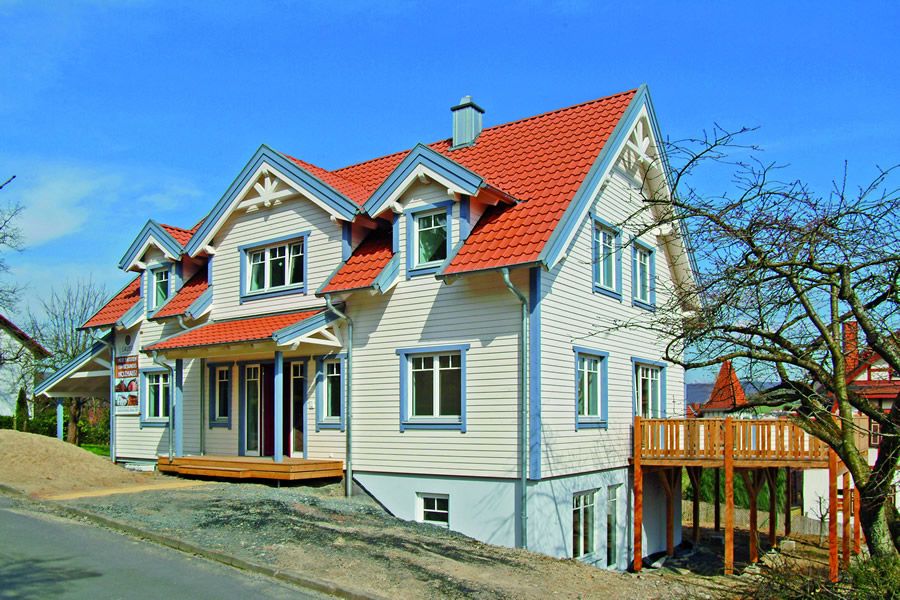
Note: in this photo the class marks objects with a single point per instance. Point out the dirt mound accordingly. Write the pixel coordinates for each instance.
(40, 465)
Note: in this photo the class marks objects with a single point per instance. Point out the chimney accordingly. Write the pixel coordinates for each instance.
(466, 123)
(851, 344)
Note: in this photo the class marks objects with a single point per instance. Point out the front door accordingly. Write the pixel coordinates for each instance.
(259, 404)
(253, 401)
(295, 394)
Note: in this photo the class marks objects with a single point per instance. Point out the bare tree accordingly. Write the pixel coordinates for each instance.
(10, 239)
(779, 271)
(56, 326)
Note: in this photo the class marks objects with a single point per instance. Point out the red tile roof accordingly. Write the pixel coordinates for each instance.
(120, 304)
(364, 265)
(541, 160)
(253, 329)
(189, 292)
(181, 235)
(727, 393)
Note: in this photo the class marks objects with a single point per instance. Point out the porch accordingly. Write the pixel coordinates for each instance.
(251, 467)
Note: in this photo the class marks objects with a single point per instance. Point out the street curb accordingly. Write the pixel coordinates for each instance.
(310, 583)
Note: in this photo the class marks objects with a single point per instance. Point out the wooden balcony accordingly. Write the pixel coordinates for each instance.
(251, 467)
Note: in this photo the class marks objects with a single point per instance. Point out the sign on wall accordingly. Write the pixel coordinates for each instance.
(126, 385)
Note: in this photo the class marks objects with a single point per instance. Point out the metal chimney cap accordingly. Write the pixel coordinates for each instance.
(466, 102)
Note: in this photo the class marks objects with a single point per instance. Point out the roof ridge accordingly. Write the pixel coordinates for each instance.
(498, 126)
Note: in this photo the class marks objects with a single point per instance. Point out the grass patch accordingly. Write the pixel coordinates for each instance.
(98, 449)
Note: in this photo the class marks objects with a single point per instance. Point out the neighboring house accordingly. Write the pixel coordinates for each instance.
(474, 270)
(870, 377)
(18, 354)
(721, 399)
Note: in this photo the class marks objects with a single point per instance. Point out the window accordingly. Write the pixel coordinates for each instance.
(643, 282)
(590, 388)
(607, 259)
(612, 525)
(274, 269)
(158, 394)
(431, 238)
(252, 395)
(220, 395)
(874, 434)
(330, 392)
(432, 387)
(298, 398)
(160, 291)
(583, 524)
(648, 391)
(435, 509)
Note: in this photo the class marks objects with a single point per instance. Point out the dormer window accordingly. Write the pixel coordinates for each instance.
(159, 292)
(431, 238)
(274, 268)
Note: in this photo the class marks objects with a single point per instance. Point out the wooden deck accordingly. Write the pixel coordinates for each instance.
(251, 467)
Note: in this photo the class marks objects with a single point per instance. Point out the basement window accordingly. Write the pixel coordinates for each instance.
(434, 509)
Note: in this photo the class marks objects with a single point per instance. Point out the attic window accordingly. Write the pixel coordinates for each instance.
(431, 238)
(160, 287)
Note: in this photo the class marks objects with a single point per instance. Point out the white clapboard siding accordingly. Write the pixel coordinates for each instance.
(572, 314)
(293, 217)
(477, 310)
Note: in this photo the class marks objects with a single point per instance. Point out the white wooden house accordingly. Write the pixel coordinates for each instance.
(19, 353)
(433, 318)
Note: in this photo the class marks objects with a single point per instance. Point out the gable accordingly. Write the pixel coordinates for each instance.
(151, 236)
(270, 179)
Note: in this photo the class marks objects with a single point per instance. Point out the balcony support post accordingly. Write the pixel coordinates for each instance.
(729, 496)
(832, 516)
(638, 497)
(845, 529)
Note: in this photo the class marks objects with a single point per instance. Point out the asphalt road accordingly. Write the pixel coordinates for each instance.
(44, 556)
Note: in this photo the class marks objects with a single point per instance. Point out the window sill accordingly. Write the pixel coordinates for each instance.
(226, 424)
(584, 424)
(643, 305)
(329, 425)
(457, 425)
(249, 297)
(598, 289)
(429, 269)
(155, 423)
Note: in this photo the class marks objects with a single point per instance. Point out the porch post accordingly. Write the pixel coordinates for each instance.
(59, 418)
(279, 407)
(178, 425)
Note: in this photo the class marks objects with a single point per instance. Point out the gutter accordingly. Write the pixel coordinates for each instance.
(348, 459)
(523, 406)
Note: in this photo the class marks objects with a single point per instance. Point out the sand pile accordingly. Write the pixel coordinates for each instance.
(40, 465)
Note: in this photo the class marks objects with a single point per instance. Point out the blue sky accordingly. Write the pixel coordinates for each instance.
(113, 112)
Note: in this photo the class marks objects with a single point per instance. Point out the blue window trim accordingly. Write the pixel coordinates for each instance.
(635, 361)
(148, 287)
(245, 250)
(147, 421)
(408, 422)
(593, 422)
(289, 373)
(636, 245)
(346, 241)
(598, 223)
(321, 421)
(411, 269)
(212, 369)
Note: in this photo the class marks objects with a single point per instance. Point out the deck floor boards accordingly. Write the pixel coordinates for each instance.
(251, 467)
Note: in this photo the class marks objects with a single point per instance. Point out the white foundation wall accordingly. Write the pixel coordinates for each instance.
(654, 537)
(482, 508)
(550, 515)
(572, 314)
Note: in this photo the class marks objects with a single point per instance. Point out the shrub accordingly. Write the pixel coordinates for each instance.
(866, 579)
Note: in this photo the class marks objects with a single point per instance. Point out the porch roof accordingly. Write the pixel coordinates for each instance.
(251, 329)
(85, 375)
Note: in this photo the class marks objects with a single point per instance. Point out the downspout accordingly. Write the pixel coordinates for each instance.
(348, 460)
(523, 406)
(171, 437)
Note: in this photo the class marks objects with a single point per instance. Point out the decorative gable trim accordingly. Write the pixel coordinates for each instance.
(152, 234)
(325, 196)
(300, 332)
(422, 161)
(576, 212)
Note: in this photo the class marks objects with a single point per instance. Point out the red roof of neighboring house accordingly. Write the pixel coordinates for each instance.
(120, 304)
(364, 265)
(252, 329)
(540, 160)
(186, 296)
(727, 393)
(13, 329)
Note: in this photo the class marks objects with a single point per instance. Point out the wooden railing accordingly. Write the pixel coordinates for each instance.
(763, 439)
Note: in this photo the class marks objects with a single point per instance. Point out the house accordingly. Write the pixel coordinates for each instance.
(432, 321)
(869, 376)
(18, 353)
